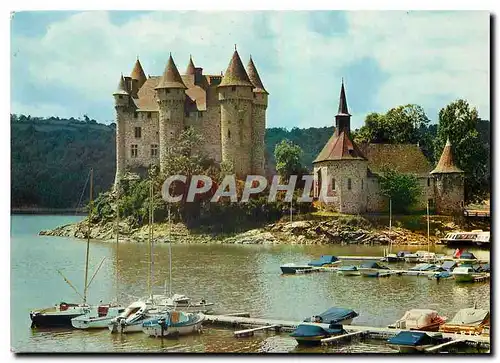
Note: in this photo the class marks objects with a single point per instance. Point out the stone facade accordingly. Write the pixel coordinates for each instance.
(349, 174)
(228, 112)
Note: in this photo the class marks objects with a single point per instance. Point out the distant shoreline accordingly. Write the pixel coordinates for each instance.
(44, 211)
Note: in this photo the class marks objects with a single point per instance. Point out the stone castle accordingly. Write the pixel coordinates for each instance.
(228, 112)
(350, 173)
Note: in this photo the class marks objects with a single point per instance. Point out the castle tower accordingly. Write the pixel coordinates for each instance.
(259, 107)
(122, 107)
(170, 95)
(138, 78)
(343, 165)
(236, 100)
(448, 183)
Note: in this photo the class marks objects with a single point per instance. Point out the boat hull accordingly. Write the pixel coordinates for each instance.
(172, 331)
(293, 269)
(409, 349)
(348, 273)
(463, 278)
(48, 320)
(116, 327)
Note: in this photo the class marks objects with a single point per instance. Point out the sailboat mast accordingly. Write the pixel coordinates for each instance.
(428, 228)
(152, 229)
(88, 237)
(169, 253)
(390, 224)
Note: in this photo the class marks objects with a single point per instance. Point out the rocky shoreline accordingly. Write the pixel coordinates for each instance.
(307, 232)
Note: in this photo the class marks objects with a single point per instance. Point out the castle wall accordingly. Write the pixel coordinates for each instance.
(449, 193)
(375, 201)
(426, 184)
(350, 192)
(149, 136)
(236, 128)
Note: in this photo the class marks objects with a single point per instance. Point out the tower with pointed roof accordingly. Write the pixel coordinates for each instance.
(236, 101)
(228, 111)
(170, 95)
(340, 169)
(448, 183)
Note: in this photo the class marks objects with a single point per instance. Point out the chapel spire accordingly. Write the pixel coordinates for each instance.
(343, 102)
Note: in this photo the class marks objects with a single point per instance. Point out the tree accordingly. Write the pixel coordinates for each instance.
(406, 124)
(288, 159)
(458, 121)
(402, 189)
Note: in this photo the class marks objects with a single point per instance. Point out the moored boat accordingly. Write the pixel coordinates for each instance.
(59, 315)
(292, 268)
(309, 334)
(98, 317)
(468, 321)
(130, 321)
(465, 274)
(373, 269)
(173, 323)
(412, 341)
(349, 270)
(420, 319)
(334, 316)
(325, 261)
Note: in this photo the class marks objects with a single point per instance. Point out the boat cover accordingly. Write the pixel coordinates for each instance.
(309, 331)
(425, 267)
(485, 267)
(448, 265)
(470, 316)
(443, 275)
(374, 264)
(467, 256)
(417, 319)
(335, 315)
(403, 253)
(411, 339)
(348, 268)
(323, 260)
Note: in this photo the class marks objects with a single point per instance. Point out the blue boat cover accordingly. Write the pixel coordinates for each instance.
(411, 339)
(448, 265)
(348, 268)
(335, 315)
(323, 260)
(443, 275)
(402, 253)
(485, 267)
(308, 331)
(467, 255)
(374, 264)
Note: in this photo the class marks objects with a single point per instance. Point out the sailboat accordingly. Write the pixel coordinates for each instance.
(60, 315)
(391, 257)
(100, 316)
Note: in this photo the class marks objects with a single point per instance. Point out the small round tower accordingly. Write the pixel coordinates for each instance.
(122, 107)
(448, 184)
(170, 95)
(236, 99)
(259, 107)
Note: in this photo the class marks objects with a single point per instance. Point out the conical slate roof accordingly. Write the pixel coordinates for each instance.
(190, 68)
(342, 102)
(339, 148)
(121, 90)
(255, 78)
(171, 77)
(138, 73)
(235, 74)
(446, 165)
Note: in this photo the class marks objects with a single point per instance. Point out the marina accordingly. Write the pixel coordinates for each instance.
(246, 295)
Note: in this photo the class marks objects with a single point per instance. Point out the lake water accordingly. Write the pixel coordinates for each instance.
(236, 277)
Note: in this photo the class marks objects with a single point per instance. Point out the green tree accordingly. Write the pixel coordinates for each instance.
(458, 121)
(402, 189)
(288, 159)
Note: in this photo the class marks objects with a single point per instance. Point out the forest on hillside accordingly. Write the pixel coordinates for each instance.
(51, 157)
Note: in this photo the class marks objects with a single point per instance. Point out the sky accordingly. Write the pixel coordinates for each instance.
(68, 64)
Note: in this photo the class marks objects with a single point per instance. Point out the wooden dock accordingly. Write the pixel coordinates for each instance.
(418, 260)
(438, 347)
(336, 338)
(250, 332)
(368, 331)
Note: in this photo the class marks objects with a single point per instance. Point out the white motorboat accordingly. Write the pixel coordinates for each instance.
(184, 303)
(419, 319)
(464, 274)
(350, 270)
(98, 317)
(135, 314)
(173, 323)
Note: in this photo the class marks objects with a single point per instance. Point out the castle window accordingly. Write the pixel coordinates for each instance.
(137, 132)
(228, 134)
(333, 183)
(167, 90)
(349, 184)
(133, 151)
(233, 88)
(362, 184)
(154, 151)
(149, 114)
(135, 115)
(428, 182)
(200, 114)
(120, 97)
(255, 95)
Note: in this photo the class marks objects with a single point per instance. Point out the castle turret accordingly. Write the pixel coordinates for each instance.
(170, 95)
(138, 78)
(340, 169)
(236, 99)
(122, 107)
(448, 183)
(259, 107)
